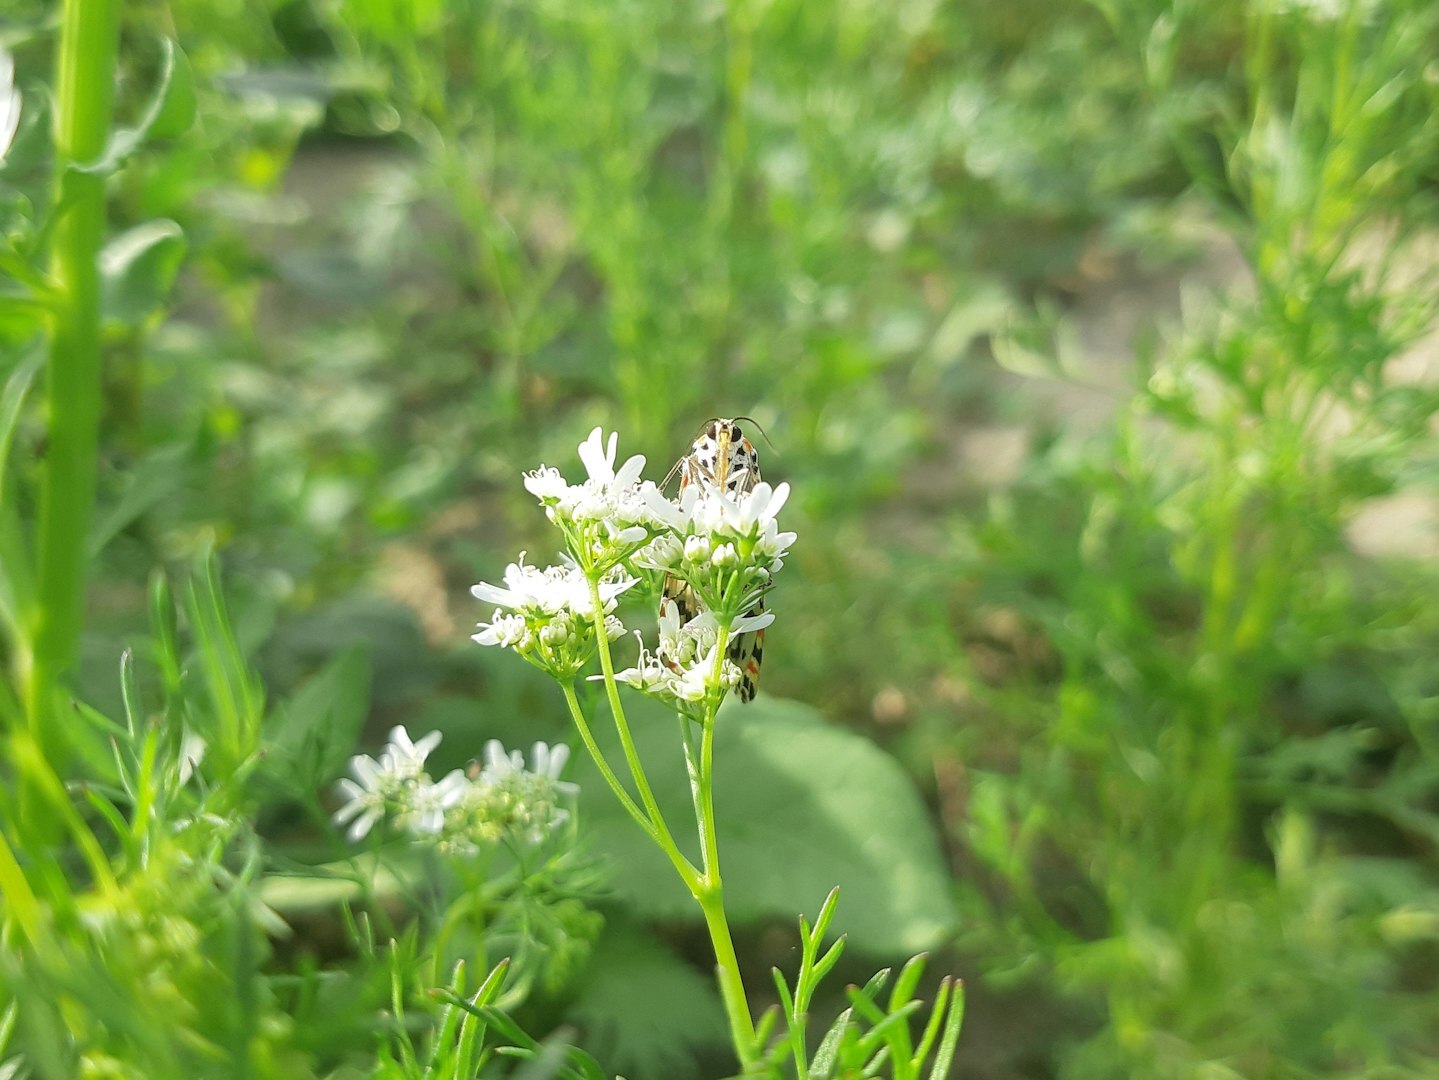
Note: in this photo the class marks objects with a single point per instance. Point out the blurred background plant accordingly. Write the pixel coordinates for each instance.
(1097, 342)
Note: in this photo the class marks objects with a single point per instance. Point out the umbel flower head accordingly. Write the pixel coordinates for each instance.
(686, 666)
(547, 615)
(722, 546)
(727, 546)
(463, 809)
(607, 517)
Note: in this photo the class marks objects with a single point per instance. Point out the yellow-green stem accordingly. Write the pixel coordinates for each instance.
(711, 901)
(661, 831)
(704, 793)
(711, 895)
(89, 33)
(588, 738)
(705, 886)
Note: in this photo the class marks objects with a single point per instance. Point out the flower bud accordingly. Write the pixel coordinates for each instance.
(725, 555)
(697, 549)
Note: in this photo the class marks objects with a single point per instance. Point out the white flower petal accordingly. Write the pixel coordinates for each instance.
(599, 460)
(747, 623)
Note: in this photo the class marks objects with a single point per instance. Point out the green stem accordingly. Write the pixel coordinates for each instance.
(89, 34)
(660, 830)
(711, 895)
(588, 738)
(704, 782)
(705, 887)
(711, 901)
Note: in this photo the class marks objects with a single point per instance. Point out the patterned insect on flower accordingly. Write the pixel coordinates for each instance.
(720, 457)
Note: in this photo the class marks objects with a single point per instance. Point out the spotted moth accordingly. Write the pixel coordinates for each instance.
(720, 457)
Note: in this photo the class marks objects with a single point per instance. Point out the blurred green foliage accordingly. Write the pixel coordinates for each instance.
(1123, 621)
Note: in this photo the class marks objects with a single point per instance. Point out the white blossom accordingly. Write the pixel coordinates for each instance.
(746, 514)
(424, 809)
(9, 104)
(551, 613)
(664, 552)
(598, 457)
(683, 665)
(546, 483)
(364, 806)
(531, 590)
(555, 590)
(507, 631)
(461, 810)
(608, 495)
(670, 514)
(530, 794)
(390, 783)
(404, 758)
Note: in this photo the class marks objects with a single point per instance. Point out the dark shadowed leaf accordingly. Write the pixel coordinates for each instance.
(646, 1012)
(316, 730)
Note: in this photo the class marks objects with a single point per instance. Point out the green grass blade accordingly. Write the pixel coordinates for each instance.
(945, 1055)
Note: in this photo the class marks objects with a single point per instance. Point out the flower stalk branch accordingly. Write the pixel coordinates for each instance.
(719, 549)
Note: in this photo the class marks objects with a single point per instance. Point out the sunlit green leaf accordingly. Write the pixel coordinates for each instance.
(802, 806)
(138, 268)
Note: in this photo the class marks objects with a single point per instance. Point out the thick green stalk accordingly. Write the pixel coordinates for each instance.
(741, 1026)
(705, 886)
(89, 33)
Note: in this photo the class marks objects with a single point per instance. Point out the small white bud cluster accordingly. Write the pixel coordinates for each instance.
(550, 616)
(605, 519)
(726, 546)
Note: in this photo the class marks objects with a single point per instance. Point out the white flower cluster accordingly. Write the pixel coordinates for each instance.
(464, 808)
(685, 664)
(725, 546)
(609, 516)
(550, 612)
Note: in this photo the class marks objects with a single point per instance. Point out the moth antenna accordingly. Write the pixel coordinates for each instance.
(751, 420)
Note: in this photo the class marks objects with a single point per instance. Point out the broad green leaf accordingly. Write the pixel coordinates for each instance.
(138, 268)
(803, 806)
(169, 111)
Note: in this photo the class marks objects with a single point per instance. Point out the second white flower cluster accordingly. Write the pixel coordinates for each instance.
(502, 798)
